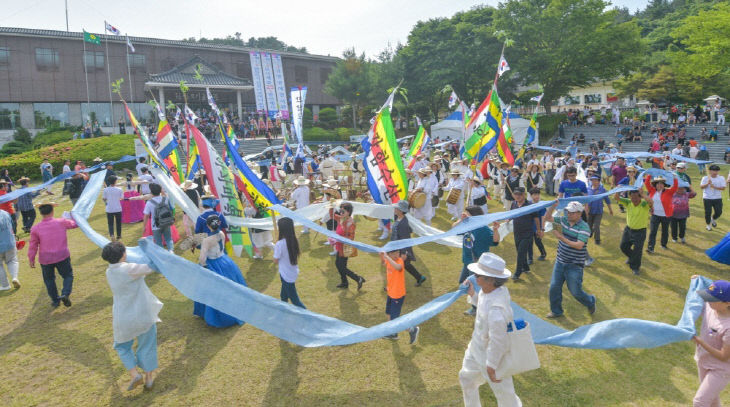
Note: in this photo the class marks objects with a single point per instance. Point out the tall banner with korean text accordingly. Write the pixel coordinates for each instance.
(386, 177)
(223, 186)
(280, 86)
(269, 87)
(298, 96)
(258, 82)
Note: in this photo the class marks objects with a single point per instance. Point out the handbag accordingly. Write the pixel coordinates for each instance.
(522, 355)
(349, 251)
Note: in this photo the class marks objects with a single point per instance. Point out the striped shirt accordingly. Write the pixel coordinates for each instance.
(578, 232)
(25, 202)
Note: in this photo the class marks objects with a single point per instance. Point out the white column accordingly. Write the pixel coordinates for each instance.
(240, 108)
(161, 92)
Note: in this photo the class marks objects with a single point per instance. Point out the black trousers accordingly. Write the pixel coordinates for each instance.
(680, 224)
(341, 264)
(523, 245)
(14, 221)
(540, 247)
(28, 219)
(632, 245)
(110, 220)
(654, 225)
(594, 222)
(411, 269)
(711, 204)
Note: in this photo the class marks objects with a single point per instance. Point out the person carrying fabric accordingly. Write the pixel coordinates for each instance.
(286, 256)
(712, 352)
(396, 289)
(8, 253)
(155, 207)
(712, 186)
(678, 221)
(572, 185)
(595, 208)
(539, 226)
(25, 205)
(638, 207)
(112, 196)
(9, 206)
(209, 202)
(300, 196)
(525, 228)
(570, 258)
(489, 342)
(474, 244)
(48, 239)
(345, 228)
(401, 229)
(213, 257)
(456, 183)
(662, 209)
(134, 314)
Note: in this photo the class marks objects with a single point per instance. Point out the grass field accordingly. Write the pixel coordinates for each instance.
(65, 356)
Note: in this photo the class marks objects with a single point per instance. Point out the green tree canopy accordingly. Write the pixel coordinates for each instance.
(271, 43)
(352, 81)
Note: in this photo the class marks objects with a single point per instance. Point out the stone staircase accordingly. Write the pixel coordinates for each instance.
(608, 133)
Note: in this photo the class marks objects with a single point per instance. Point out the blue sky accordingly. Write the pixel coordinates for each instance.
(324, 26)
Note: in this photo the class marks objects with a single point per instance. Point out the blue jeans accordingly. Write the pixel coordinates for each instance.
(573, 275)
(49, 278)
(159, 234)
(289, 292)
(146, 355)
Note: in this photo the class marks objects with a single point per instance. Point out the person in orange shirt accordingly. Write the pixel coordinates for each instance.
(8, 206)
(396, 289)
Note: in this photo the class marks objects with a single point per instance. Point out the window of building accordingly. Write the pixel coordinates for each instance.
(572, 100)
(592, 98)
(324, 73)
(94, 59)
(99, 112)
(143, 112)
(301, 74)
(243, 69)
(9, 116)
(4, 56)
(136, 61)
(46, 59)
(50, 114)
(167, 64)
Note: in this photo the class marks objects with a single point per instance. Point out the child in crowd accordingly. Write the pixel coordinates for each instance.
(678, 221)
(396, 288)
(134, 314)
(286, 255)
(713, 344)
(113, 196)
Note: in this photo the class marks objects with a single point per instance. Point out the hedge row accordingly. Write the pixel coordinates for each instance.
(548, 126)
(320, 134)
(108, 148)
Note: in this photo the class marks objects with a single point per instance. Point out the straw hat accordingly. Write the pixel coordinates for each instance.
(3, 182)
(514, 167)
(45, 201)
(490, 265)
(425, 171)
(97, 160)
(331, 183)
(658, 179)
(455, 172)
(23, 178)
(503, 163)
(301, 180)
(188, 184)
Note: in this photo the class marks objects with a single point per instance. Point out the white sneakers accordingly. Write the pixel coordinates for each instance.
(708, 227)
(333, 253)
(384, 235)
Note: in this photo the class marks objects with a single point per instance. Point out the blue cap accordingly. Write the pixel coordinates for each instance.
(718, 291)
(596, 177)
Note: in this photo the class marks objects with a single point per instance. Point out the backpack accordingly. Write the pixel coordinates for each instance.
(162, 214)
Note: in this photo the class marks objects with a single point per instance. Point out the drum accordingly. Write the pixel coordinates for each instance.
(417, 199)
(441, 193)
(351, 195)
(454, 195)
(282, 175)
(435, 201)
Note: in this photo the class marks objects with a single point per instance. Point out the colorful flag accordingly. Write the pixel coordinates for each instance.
(532, 129)
(537, 98)
(484, 126)
(167, 146)
(503, 147)
(503, 66)
(386, 177)
(453, 99)
(223, 186)
(91, 38)
(420, 141)
(110, 28)
(142, 135)
(129, 44)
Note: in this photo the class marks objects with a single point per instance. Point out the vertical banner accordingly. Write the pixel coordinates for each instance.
(387, 180)
(269, 87)
(298, 96)
(258, 82)
(281, 98)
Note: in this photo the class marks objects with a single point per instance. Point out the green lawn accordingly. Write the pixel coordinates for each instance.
(65, 356)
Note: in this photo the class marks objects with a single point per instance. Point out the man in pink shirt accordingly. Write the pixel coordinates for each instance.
(48, 239)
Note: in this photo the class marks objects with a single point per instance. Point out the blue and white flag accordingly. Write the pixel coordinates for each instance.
(503, 66)
(110, 28)
(129, 44)
(537, 98)
(453, 99)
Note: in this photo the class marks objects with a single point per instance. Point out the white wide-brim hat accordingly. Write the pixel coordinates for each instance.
(490, 265)
(301, 180)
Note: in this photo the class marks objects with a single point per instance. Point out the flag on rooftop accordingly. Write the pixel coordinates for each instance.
(129, 44)
(91, 38)
(110, 28)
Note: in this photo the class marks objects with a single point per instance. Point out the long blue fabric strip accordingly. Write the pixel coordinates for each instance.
(20, 192)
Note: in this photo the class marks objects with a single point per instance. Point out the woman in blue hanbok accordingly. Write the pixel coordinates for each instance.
(214, 258)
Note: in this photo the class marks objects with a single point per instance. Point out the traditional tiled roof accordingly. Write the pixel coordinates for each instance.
(153, 41)
(212, 76)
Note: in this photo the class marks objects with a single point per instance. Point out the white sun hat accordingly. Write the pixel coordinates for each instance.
(490, 265)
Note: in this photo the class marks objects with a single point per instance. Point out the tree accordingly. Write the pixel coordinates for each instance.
(327, 118)
(351, 81)
(562, 44)
(271, 43)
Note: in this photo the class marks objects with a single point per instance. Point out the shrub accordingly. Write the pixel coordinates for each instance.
(327, 118)
(108, 148)
(307, 118)
(49, 138)
(323, 135)
(548, 126)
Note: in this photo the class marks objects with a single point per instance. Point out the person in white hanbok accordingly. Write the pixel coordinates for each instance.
(489, 342)
(427, 185)
(455, 183)
(300, 196)
(478, 196)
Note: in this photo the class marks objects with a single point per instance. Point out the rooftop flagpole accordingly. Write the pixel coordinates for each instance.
(108, 76)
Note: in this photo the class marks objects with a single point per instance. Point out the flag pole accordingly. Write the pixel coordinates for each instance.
(86, 78)
(108, 76)
(129, 72)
